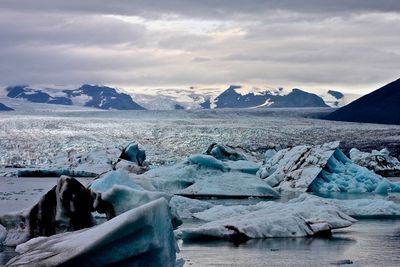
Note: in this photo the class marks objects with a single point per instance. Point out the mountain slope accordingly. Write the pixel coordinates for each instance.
(230, 98)
(5, 108)
(101, 97)
(380, 106)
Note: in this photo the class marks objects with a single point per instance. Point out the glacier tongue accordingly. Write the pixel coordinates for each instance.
(140, 237)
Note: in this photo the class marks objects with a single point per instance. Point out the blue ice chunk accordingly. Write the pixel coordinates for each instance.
(342, 175)
(119, 177)
(208, 162)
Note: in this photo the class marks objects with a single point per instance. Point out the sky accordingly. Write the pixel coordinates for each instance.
(350, 45)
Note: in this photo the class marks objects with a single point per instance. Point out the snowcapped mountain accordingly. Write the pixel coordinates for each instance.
(103, 97)
(233, 98)
(95, 96)
(169, 98)
(380, 106)
(238, 97)
(338, 99)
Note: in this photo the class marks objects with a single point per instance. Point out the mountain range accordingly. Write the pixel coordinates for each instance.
(104, 97)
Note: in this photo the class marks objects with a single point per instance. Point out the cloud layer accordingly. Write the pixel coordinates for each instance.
(349, 44)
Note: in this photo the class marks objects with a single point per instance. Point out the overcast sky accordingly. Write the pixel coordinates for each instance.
(351, 45)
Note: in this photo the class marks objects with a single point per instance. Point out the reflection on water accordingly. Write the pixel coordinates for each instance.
(367, 243)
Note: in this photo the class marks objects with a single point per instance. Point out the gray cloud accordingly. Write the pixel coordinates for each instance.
(347, 43)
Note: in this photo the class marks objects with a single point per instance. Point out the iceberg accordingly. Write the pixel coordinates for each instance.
(269, 219)
(359, 208)
(321, 168)
(124, 198)
(68, 206)
(3, 234)
(294, 169)
(186, 207)
(111, 178)
(342, 175)
(133, 153)
(139, 237)
(204, 175)
(222, 152)
(380, 162)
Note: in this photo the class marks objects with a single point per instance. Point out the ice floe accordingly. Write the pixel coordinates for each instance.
(111, 178)
(359, 208)
(222, 152)
(140, 237)
(269, 219)
(186, 207)
(3, 234)
(380, 162)
(123, 198)
(204, 175)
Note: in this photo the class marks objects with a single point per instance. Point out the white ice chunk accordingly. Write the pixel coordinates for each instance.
(3, 234)
(359, 208)
(203, 175)
(269, 219)
(186, 207)
(321, 168)
(139, 237)
(296, 168)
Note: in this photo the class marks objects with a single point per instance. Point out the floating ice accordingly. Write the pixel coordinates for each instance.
(269, 219)
(378, 161)
(3, 234)
(321, 168)
(139, 237)
(134, 154)
(124, 198)
(204, 175)
(222, 152)
(208, 162)
(296, 168)
(186, 207)
(340, 174)
(359, 208)
(66, 207)
(109, 179)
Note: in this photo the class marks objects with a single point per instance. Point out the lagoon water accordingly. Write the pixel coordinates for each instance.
(366, 243)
